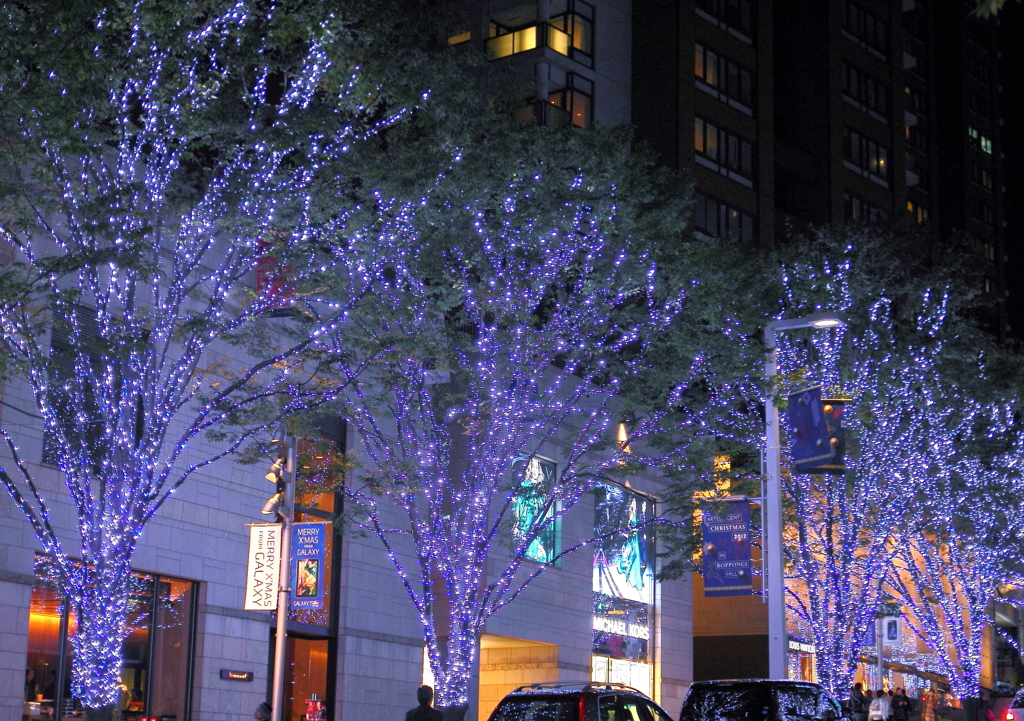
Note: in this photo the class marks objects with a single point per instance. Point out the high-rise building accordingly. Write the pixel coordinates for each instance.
(875, 111)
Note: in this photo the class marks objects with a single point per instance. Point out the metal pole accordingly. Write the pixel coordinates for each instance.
(773, 554)
(284, 590)
(880, 633)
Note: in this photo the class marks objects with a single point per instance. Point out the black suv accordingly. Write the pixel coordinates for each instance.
(577, 701)
(759, 700)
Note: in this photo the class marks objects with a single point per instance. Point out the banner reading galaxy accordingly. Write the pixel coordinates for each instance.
(308, 549)
(261, 576)
(726, 535)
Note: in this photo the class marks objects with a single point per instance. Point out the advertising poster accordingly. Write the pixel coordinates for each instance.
(263, 568)
(309, 543)
(726, 534)
(623, 566)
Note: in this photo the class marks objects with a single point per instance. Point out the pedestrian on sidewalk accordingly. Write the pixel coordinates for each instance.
(901, 706)
(424, 712)
(879, 709)
(858, 703)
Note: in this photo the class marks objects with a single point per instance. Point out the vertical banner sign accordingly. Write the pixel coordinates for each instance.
(309, 546)
(817, 438)
(264, 567)
(726, 534)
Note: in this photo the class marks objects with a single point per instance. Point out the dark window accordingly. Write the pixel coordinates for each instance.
(977, 64)
(861, 211)
(720, 220)
(734, 14)
(866, 155)
(979, 104)
(540, 708)
(916, 102)
(71, 391)
(982, 177)
(865, 27)
(865, 90)
(725, 151)
(727, 702)
(983, 213)
(723, 74)
(917, 138)
(917, 211)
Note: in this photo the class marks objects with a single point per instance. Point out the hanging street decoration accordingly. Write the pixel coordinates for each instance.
(725, 529)
(817, 441)
(309, 547)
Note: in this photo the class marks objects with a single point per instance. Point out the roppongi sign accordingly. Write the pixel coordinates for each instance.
(264, 566)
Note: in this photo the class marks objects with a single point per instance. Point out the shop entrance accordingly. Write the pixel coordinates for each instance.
(507, 663)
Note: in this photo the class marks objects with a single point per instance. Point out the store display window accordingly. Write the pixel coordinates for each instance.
(157, 662)
(623, 576)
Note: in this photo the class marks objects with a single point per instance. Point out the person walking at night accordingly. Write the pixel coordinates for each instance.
(900, 706)
(858, 703)
(424, 712)
(879, 709)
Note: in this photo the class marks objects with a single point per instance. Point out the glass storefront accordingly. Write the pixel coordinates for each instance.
(157, 660)
(623, 576)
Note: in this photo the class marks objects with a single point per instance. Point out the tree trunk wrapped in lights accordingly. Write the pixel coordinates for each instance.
(156, 153)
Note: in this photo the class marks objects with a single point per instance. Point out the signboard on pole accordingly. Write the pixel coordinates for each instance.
(726, 535)
(815, 425)
(262, 571)
(309, 550)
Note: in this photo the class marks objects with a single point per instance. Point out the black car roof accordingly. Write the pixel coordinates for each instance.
(574, 686)
(754, 682)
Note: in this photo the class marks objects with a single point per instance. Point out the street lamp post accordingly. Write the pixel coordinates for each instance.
(284, 590)
(772, 547)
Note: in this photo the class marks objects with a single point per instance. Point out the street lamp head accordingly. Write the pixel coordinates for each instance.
(827, 323)
(272, 504)
(279, 433)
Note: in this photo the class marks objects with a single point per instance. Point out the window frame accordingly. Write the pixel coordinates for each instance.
(719, 86)
(734, 155)
(723, 212)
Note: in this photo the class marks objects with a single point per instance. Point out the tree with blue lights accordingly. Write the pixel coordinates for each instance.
(961, 547)
(907, 336)
(548, 273)
(157, 157)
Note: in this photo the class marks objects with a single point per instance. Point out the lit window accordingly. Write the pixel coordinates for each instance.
(576, 99)
(721, 150)
(865, 156)
(460, 38)
(722, 77)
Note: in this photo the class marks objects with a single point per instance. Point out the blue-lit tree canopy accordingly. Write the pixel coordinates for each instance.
(928, 508)
(547, 269)
(157, 155)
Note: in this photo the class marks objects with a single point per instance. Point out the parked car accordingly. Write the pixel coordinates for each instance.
(1016, 710)
(759, 700)
(577, 701)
